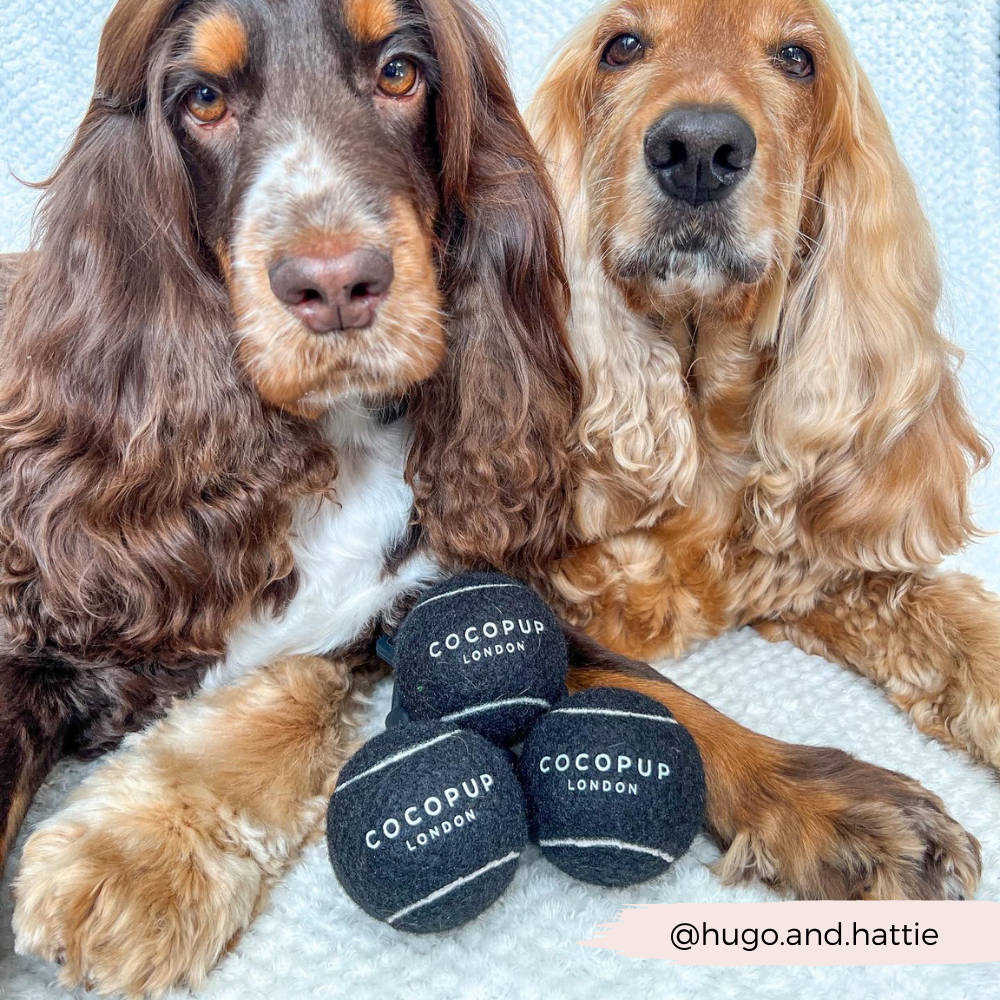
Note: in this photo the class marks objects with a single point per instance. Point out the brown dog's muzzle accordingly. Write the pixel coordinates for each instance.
(329, 294)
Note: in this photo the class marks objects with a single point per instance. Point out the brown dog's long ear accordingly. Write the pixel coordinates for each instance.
(145, 492)
(865, 445)
(489, 466)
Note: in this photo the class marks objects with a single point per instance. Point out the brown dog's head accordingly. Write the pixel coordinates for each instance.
(272, 208)
(302, 151)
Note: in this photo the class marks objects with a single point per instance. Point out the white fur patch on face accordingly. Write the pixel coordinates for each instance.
(707, 273)
(305, 200)
(304, 182)
(698, 272)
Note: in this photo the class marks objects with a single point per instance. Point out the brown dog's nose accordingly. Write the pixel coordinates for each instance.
(333, 293)
(699, 155)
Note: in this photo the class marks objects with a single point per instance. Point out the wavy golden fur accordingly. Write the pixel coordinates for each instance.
(771, 429)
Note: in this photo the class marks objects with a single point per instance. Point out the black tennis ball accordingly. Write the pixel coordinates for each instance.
(614, 785)
(482, 651)
(425, 826)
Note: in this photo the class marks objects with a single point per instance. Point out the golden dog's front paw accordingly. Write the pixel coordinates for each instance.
(132, 905)
(834, 827)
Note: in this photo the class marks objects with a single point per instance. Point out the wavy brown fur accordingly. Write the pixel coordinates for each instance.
(490, 467)
(146, 489)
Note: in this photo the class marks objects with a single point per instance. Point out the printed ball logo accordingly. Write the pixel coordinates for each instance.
(614, 785)
(481, 640)
(484, 652)
(622, 766)
(428, 812)
(425, 826)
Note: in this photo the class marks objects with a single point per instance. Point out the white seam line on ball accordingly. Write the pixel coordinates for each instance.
(494, 704)
(402, 755)
(445, 889)
(464, 590)
(620, 845)
(614, 711)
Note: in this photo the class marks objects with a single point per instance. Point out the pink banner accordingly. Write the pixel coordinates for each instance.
(823, 933)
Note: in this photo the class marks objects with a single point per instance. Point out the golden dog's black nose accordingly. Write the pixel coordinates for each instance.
(699, 155)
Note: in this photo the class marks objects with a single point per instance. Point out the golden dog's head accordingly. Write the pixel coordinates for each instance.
(699, 130)
(742, 230)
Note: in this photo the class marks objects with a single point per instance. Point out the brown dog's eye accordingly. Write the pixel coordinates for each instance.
(796, 61)
(623, 50)
(206, 104)
(398, 77)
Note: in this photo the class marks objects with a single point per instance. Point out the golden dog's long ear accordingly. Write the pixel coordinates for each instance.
(633, 442)
(557, 114)
(865, 446)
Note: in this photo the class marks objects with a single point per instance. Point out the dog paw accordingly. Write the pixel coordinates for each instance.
(828, 826)
(131, 905)
(168, 850)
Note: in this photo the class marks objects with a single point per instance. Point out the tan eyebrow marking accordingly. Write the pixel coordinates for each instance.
(219, 45)
(371, 20)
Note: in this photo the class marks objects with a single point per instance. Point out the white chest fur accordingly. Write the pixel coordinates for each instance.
(340, 548)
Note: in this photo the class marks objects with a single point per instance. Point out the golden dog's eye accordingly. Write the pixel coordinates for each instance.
(796, 61)
(205, 104)
(623, 50)
(399, 77)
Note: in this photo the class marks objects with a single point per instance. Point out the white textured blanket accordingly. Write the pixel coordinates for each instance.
(935, 63)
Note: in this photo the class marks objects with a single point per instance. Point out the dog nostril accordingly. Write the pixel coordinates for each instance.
(676, 154)
(727, 158)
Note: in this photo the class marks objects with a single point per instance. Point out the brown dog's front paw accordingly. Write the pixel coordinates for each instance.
(167, 851)
(133, 904)
(828, 826)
